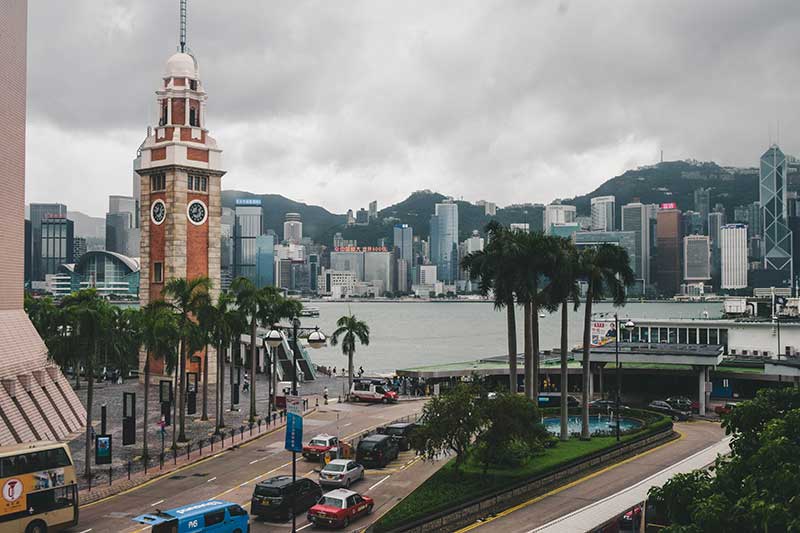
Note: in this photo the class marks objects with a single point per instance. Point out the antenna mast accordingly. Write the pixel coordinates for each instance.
(183, 26)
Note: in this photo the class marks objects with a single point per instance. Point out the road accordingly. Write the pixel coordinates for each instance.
(231, 475)
(544, 509)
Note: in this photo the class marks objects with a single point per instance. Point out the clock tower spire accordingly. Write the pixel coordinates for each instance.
(180, 169)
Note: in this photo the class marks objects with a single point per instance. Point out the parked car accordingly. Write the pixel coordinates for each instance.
(273, 497)
(377, 450)
(401, 431)
(725, 409)
(341, 473)
(631, 519)
(605, 405)
(553, 399)
(665, 408)
(339, 508)
(320, 445)
(682, 403)
(372, 391)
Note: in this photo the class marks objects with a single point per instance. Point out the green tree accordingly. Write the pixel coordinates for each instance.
(497, 273)
(227, 322)
(607, 271)
(512, 430)
(160, 339)
(205, 320)
(563, 287)
(350, 329)
(449, 423)
(185, 297)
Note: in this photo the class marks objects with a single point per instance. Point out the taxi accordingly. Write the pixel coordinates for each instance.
(339, 508)
(319, 446)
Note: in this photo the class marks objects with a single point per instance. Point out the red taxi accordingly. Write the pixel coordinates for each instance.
(317, 447)
(338, 508)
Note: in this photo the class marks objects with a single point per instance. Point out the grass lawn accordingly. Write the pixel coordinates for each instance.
(449, 487)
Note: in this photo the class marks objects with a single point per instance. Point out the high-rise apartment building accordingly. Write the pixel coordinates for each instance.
(558, 214)
(36, 401)
(777, 235)
(696, 258)
(733, 251)
(635, 218)
(293, 228)
(603, 213)
(444, 241)
(669, 244)
(715, 222)
(489, 208)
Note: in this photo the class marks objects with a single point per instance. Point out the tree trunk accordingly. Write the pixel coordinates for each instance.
(349, 371)
(587, 338)
(145, 453)
(528, 349)
(182, 393)
(253, 328)
(234, 354)
(220, 396)
(89, 401)
(175, 409)
(512, 347)
(77, 377)
(535, 349)
(564, 372)
(204, 416)
(275, 378)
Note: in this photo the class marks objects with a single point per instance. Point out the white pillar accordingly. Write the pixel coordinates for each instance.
(591, 383)
(169, 110)
(186, 111)
(701, 396)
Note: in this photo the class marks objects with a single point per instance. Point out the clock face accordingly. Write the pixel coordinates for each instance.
(158, 212)
(197, 212)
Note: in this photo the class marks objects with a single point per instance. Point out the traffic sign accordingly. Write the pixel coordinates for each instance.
(294, 424)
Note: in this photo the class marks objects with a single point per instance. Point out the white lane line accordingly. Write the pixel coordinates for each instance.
(85, 530)
(212, 479)
(305, 526)
(379, 482)
(348, 424)
(156, 503)
(254, 461)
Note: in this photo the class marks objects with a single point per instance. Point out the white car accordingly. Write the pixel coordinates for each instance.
(341, 473)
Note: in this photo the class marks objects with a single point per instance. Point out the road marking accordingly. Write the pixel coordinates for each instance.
(348, 424)
(85, 530)
(254, 461)
(305, 526)
(212, 479)
(379, 482)
(565, 487)
(156, 503)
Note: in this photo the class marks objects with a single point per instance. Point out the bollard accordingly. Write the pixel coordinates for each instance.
(259, 425)
(222, 436)
(145, 465)
(251, 429)
(241, 433)
(175, 456)
(109, 475)
(316, 402)
(233, 434)
(201, 447)
(212, 443)
(90, 482)
(129, 470)
(188, 451)
(161, 461)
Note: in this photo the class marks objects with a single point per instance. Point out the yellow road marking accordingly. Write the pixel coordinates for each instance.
(562, 488)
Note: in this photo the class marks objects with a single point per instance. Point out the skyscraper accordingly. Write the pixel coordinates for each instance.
(122, 232)
(246, 229)
(39, 213)
(58, 243)
(772, 196)
(444, 241)
(603, 211)
(36, 401)
(558, 214)
(293, 228)
(265, 261)
(635, 218)
(733, 249)
(668, 237)
(696, 258)
(226, 248)
(702, 204)
(373, 209)
(404, 241)
(181, 173)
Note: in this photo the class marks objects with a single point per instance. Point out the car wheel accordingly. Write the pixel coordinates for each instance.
(385, 400)
(346, 521)
(36, 527)
(347, 483)
(361, 477)
(369, 509)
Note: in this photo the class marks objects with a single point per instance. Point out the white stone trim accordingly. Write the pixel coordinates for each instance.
(158, 201)
(205, 207)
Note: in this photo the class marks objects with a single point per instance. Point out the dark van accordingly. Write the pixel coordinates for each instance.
(272, 498)
(401, 431)
(377, 450)
(553, 399)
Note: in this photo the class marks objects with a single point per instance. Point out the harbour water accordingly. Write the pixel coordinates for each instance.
(411, 334)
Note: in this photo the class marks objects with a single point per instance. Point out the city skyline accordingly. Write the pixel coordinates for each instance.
(309, 91)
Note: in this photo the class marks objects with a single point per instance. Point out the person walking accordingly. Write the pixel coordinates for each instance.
(246, 384)
(334, 371)
(360, 371)
(325, 395)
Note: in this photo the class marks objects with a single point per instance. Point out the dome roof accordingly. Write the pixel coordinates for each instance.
(181, 65)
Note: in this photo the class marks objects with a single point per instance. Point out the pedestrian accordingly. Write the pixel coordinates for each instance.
(334, 371)
(325, 395)
(246, 384)
(360, 371)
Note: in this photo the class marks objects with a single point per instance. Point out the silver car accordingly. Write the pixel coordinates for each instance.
(341, 473)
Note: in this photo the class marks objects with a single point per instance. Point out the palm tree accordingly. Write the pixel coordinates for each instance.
(205, 319)
(274, 308)
(250, 300)
(90, 316)
(350, 329)
(563, 286)
(495, 269)
(186, 297)
(607, 271)
(227, 323)
(159, 336)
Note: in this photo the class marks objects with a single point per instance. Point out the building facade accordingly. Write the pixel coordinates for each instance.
(38, 214)
(669, 244)
(246, 229)
(444, 241)
(733, 252)
(696, 258)
(558, 214)
(293, 228)
(122, 227)
(772, 197)
(603, 213)
(58, 243)
(635, 218)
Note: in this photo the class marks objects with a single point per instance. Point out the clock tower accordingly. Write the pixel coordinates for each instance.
(180, 169)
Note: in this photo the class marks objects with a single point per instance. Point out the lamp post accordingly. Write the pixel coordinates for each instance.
(628, 324)
(272, 340)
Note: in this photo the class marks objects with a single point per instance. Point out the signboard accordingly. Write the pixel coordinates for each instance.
(102, 450)
(669, 205)
(294, 424)
(360, 249)
(248, 201)
(603, 332)
(15, 489)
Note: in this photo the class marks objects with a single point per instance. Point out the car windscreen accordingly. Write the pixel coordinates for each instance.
(393, 431)
(367, 445)
(270, 492)
(318, 442)
(333, 468)
(332, 502)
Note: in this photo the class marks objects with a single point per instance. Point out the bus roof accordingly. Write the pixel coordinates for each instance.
(29, 447)
(186, 511)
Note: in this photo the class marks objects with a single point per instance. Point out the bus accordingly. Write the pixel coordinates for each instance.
(217, 516)
(39, 489)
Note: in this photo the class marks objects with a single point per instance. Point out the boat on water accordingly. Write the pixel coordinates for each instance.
(310, 311)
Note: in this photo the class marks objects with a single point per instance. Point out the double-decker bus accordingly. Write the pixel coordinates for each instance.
(39, 491)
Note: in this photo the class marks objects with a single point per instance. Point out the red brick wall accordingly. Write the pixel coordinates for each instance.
(196, 259)
(156, 245)
(13, 29)
(180, 82)
(197, 154)
(167, 134)
(178, 110)
(156, 154)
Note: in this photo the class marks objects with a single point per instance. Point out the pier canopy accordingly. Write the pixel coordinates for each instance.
(705, 355)
(782, 367)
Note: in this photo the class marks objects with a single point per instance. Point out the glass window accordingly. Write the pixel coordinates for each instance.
(235, 510)
(683, 335)
(158, 272)
(662, 334)
(692, 336)
(203, 184)
(673, 335)
(723, 338)
(713, 337)
(703, 335)
(215, 517)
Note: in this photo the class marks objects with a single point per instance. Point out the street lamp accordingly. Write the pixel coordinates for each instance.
(628, 324)
(272, 340)
(316, 339)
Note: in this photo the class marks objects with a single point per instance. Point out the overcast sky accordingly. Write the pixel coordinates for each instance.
(339, 103)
